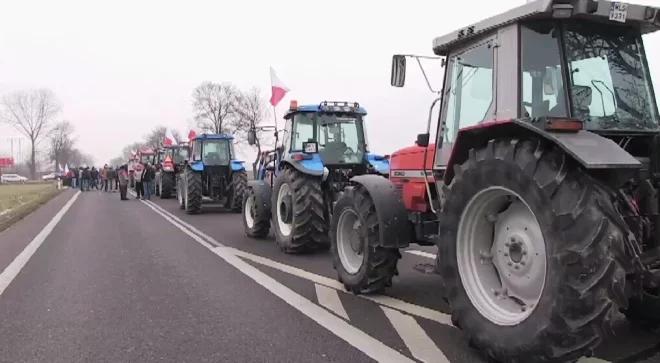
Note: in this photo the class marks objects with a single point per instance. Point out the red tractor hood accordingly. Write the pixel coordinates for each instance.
(411, 158)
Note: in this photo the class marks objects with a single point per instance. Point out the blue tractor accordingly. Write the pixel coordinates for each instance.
(297, 184)
(211, 175)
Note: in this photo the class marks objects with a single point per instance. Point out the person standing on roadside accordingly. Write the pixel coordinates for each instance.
(116, 180)
(74, 177)
(85, 179)
(139, 171)
(104, 178)
(111, 177)
(148, 176)
(122, 175)
(95, 176)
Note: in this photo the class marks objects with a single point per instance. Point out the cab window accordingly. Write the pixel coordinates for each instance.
(470, 93)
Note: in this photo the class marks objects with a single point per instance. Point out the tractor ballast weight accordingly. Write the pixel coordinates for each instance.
(541, 189)
(211, 175)
(297, 183)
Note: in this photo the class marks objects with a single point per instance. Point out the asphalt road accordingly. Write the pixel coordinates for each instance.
(90, 278)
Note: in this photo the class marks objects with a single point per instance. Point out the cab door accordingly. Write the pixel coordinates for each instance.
(469, 95)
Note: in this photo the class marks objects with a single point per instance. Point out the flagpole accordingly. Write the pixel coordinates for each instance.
(275, 119)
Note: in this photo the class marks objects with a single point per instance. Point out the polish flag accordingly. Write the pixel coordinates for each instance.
(278, 88)
(169, 138)
(191, 135)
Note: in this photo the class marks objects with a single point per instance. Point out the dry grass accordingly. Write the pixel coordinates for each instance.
(19, 200)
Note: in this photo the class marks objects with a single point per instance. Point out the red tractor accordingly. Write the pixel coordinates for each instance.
(541, 189)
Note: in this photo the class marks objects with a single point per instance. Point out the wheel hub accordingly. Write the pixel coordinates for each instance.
(286, 210)
(501, 256)
(350, 241)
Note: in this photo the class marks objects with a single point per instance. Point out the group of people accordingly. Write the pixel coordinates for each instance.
(113, 179)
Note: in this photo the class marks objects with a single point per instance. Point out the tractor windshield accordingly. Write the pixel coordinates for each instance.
(180, 154)
(216, 152)
(340, 136)
(610, 85)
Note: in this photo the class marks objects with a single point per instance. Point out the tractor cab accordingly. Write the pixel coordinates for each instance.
(328, 136)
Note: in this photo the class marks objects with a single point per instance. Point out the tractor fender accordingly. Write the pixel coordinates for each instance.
(196, 166)
(313, 166)
(262, 189)
(592, 151)
(380, 163)
(237, 166)
(395, 229)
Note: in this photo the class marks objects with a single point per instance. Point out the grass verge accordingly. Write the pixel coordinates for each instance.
(19, 200)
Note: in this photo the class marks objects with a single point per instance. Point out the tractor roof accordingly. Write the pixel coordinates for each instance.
(326, 106)
(645, 18)
(214, 137)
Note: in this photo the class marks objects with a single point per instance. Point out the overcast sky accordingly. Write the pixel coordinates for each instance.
(120, 68)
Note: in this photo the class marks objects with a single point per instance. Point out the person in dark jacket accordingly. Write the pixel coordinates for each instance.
(94, 179)
(148, 176)
(86, 176)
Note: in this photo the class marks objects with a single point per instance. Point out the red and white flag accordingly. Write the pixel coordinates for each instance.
(278, 88)
(191, 135)
(169, 139)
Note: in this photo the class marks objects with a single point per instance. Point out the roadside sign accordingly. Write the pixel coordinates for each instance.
(6, 162)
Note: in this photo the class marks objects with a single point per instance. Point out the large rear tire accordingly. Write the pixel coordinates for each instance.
(238, 189)
(530, 255)
(193, 191)
(361, 263)
(256, 214)
(298, 212)
(166, 185)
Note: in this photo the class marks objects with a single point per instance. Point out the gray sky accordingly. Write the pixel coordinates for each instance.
(120, 68)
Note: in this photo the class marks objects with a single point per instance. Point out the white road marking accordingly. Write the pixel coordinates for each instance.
(421, 253)
(15, 267)
(373, 348)
(329, 299)
(392, 302)
(418, 342)
(592, 360)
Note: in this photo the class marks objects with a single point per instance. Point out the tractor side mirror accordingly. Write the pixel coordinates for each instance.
(423, 140)
(252, 137)
(398, 78)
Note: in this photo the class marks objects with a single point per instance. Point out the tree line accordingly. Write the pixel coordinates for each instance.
(218, 108)
(34, 113)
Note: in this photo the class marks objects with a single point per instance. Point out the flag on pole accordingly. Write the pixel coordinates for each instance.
(278, 88)
(66, 168)
(169, 138)
(191, 135)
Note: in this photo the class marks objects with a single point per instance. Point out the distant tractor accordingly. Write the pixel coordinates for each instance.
(211, 175)
(298, 183)
(170, 161)
(541, 190)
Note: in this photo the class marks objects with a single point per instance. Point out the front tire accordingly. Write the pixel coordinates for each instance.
(497, 199)
(166, 185)
(256, 214)
(361, 263)
(193, 192)
(298, 212)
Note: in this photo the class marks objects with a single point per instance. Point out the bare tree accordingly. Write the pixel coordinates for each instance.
(30, 112)
(78, 158)
(155, 138)
(61, 143)
(213, 105)
(251, 111)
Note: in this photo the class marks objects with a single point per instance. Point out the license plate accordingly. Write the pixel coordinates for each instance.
(619, 12)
